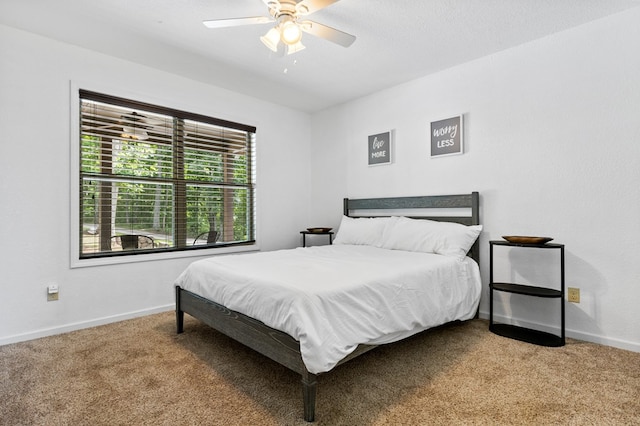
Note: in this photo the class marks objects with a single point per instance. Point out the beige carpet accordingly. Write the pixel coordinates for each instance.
(139, 372)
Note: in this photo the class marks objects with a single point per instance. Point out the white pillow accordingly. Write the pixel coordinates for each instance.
(428, 236)
(361, 231)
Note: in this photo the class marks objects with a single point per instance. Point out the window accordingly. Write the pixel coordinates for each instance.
(153, 179)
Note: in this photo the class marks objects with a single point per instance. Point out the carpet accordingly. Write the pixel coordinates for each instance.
(140, 372)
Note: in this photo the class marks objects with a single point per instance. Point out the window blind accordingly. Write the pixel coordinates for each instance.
(160, 179)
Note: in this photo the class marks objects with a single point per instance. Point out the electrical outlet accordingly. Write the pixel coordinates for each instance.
(52, 292)
(574, 295)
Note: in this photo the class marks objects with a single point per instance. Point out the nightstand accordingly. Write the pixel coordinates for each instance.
(521, 333)
(305, 233)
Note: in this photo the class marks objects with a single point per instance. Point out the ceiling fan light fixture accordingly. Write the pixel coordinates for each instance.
(290, 32)
(135, 133)
(271, 39)
(293, 48)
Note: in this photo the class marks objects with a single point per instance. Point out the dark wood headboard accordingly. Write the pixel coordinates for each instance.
(422, 207)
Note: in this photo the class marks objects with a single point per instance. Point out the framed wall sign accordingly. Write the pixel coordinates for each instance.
(447, 137)
(380, 148)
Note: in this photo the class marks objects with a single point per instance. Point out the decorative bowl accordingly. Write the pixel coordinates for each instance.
(319, 230)
(519, 239)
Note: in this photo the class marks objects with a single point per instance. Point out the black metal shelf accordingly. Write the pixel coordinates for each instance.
(524, 334)
(528, 290)
(528, 335)
(542, 246)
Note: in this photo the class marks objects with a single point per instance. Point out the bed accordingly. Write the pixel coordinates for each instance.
(389, 275)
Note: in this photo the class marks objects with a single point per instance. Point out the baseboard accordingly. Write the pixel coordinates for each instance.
(574, 334)
(84, 324)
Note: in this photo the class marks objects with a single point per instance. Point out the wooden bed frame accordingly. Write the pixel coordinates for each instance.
(280, 346)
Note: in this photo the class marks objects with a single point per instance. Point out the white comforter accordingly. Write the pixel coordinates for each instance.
(333, 298)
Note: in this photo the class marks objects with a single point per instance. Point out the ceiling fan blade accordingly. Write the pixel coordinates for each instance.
(306, 7)
(328, 33)
(236, 22)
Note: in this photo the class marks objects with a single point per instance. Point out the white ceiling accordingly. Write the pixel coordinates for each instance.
(397, 40)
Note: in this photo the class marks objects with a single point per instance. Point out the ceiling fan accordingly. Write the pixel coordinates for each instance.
(135, 126)
(130, 125)
(288, 15)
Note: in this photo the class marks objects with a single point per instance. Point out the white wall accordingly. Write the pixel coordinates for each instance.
(35, 76)
(552, 144)
(552, 135)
